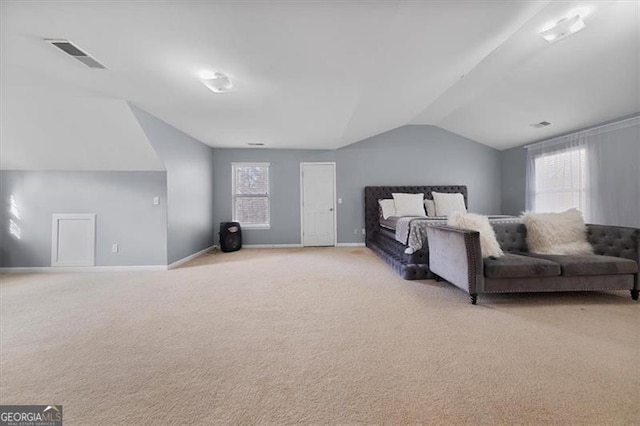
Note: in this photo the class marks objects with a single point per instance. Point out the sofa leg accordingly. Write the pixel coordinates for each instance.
(474, 298)
(635, 293)
(438, 279)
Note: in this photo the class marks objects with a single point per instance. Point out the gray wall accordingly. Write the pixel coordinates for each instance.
(409, 155)
(190, 183)
(122, 201)
(514, 180)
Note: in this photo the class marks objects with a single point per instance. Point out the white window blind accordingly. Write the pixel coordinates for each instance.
(251, 206)
(561, 180)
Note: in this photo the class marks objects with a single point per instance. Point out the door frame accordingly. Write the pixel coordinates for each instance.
(335, 193)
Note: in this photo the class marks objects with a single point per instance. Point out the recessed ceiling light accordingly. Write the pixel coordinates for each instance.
(563, 28)
(216, 82)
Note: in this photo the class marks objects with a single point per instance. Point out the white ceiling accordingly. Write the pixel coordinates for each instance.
(322, 75)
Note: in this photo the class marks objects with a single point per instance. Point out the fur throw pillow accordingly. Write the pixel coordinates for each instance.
(557, 233)
(488, 242)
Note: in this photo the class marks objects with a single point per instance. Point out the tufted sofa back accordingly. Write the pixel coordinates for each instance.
(606, 240)
(512, 237)
(618, 241)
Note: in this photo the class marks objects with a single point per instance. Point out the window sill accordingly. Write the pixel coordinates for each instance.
(252, 227)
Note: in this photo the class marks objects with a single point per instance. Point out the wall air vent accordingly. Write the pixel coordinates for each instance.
(75, 52)
(540, 124)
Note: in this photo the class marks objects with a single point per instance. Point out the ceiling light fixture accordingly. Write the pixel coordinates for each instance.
(564, 28)
(216, 82)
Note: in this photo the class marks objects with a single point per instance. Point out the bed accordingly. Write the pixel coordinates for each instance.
(402, 241)
(382, 240)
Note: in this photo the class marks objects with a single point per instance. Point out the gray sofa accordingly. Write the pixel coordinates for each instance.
(455, 256)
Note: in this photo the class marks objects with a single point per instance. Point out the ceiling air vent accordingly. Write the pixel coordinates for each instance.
(75, 52)
(255, 143)
(540, 124)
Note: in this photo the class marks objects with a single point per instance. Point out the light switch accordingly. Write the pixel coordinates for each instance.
(114, 248)
(156, 200)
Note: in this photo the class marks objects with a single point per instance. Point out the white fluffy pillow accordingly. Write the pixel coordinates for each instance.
(446, 204)
(388, 207)
(488, 242)
(557, 233)
(409, 204)
(430, 205)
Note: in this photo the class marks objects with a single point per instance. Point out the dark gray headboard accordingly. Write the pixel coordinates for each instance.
(373, 193)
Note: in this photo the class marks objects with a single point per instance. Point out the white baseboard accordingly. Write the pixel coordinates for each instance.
(188, 258)
(350, 245)
(49, 269)
(297, 245)
(272, 246)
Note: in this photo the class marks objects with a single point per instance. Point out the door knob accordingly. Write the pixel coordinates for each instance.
(331, 209)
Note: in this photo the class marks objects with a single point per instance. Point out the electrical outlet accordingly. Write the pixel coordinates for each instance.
(156, 200)
(362, 231)
(339, 200)
(355, 231)
(114, 248)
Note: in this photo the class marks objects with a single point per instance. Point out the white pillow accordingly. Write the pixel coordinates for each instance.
(557, 233)
(488, 243)
(388, 207)
(409, 204)
(430, 205)
(448, 203)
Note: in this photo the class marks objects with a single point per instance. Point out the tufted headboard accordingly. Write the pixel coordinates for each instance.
(373, 193)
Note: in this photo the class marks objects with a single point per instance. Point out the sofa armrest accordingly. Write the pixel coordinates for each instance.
(454, 254)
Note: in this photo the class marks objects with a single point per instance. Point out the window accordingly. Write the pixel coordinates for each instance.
(561, 180)
(250, 188)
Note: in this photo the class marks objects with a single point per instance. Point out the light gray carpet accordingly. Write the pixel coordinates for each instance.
(321, 335)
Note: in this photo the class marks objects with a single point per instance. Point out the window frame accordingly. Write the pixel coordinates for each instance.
(234, 196)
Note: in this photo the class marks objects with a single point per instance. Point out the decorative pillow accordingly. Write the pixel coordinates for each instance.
(409, 204)
(557, 233)
(430, 205)
(387, 208)
(489, 245)
(446, 204)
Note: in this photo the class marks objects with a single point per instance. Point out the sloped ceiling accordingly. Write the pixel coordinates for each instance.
(322, 75)
(63, 133)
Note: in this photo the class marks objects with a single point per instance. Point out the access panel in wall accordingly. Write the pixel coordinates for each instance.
(73, 240)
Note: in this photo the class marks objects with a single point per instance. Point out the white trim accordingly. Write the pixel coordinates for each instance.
(48, 269)
(350, 245)
(55, 218)
(609, 127)
(190, 257)
(252, 246)
(251, 227)
(335, 195)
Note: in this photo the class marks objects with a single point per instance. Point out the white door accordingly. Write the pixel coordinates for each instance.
(73, 240)
(318, 204)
